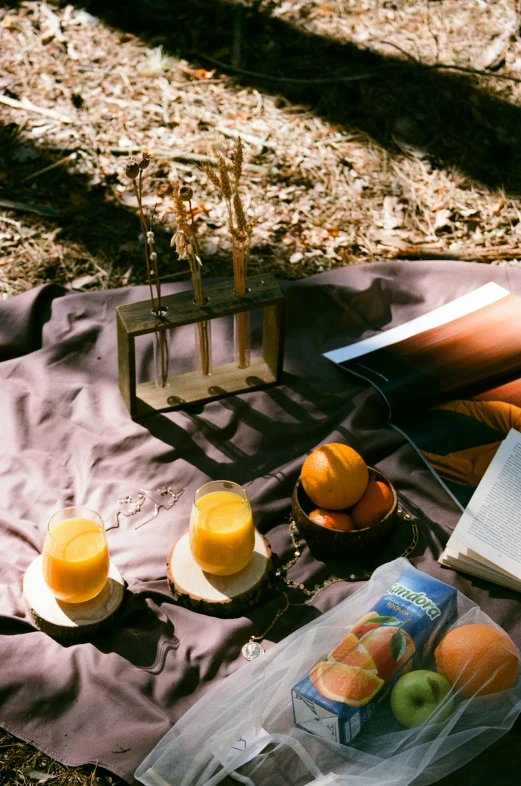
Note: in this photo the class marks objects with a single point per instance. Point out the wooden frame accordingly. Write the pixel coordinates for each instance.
(137, 319)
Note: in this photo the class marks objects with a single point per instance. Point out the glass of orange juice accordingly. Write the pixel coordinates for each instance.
(75, 555)
(222, 535)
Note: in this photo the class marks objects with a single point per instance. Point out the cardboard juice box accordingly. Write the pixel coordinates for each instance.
(343, 691)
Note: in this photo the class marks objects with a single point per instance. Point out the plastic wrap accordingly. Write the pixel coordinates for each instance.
(244, 727)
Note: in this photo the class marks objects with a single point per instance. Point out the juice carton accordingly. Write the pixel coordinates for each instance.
(343, 691)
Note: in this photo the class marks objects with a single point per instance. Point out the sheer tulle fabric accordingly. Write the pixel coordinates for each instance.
(258, 697)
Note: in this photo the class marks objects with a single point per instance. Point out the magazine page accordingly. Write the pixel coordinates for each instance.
(452, 380)
(459, 438)
(488, 535)
(472, 341)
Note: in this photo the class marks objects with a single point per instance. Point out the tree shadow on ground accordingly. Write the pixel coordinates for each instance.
(446, 115)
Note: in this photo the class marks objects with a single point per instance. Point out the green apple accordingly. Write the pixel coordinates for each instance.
(417, 695)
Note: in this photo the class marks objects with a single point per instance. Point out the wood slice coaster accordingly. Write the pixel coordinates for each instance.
(70, 621)
(219, 596)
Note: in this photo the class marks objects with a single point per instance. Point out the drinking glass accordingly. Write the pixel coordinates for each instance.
(75, 557)
(222, 535)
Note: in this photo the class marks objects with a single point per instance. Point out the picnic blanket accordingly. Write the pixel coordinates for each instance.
(66, 438)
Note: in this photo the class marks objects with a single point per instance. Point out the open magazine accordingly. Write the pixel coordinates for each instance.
(452, 381)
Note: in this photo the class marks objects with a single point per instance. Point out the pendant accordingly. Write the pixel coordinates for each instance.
(252, 650)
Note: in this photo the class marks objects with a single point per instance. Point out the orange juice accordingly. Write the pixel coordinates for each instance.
(222, 535)
(75, 559)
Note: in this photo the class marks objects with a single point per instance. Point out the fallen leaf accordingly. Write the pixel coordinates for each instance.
(408, 149)
(442, 219)
(494, 54)
(37, 775)
(150, 200)
(125, 278)
(386, 237)
(200, 73)
(294, 258)
(393, 213)
(498, 207)
(71, 51)
(84, 281)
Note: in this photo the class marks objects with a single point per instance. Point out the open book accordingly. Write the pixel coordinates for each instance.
(487, 539)
(452, 381)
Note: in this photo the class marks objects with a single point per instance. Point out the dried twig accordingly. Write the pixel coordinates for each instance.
(30, 107)
(477, 71)
(312, 81)
(252, 140)
(65, 160)
(47, 212)
(475, 254)
(172, 155)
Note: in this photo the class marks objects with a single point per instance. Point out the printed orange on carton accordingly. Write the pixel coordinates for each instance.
(341, 692)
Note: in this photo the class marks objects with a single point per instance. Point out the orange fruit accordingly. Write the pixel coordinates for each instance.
(365, 624)
(344, 647)
(334, 476)
(389, 647)
(477, 659)
(357, 657)
(332, 519)
(376, 501)
(348, 684)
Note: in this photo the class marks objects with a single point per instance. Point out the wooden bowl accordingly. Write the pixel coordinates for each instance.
(329, 543)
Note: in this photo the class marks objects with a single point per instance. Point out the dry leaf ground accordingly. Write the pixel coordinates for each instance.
(361, 143)
(372, 150)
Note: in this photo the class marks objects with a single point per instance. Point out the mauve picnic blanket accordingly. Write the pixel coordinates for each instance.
(66, 438)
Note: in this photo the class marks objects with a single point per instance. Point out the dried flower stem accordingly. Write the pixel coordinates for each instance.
(134, 171)
(187, 247)
(138, 193)
(240, 230)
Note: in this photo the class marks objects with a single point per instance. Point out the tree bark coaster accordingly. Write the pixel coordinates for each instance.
(218, 596)
(70, 621)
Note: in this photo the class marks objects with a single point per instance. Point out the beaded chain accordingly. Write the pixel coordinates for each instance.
(252, 649)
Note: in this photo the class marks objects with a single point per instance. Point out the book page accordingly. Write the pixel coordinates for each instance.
(491, 523)
(459, 554)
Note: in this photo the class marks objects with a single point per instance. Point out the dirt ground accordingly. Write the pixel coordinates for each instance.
(373, 130)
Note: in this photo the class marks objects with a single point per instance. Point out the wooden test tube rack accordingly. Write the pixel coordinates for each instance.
(137, 319)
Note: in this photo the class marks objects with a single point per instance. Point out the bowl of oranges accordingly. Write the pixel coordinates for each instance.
(340, 505)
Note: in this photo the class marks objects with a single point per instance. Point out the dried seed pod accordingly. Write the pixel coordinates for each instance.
(145, 160)
(132, 168)
(186, 193)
